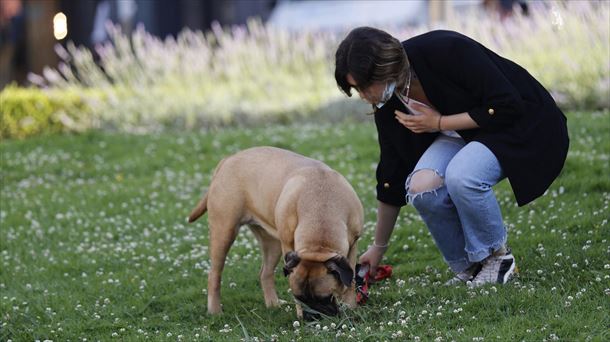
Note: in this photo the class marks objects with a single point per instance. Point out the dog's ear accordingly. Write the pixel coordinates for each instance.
(291, 260)
(339, 266)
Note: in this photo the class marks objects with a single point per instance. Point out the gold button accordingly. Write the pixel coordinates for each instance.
(491, 111)
(386, 185)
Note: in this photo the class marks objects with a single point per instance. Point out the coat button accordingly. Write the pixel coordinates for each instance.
(386, 185)
(491, 111)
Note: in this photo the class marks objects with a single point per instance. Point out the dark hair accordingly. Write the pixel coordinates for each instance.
(369, 55)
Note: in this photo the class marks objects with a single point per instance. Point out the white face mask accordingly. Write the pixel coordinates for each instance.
(387, 93)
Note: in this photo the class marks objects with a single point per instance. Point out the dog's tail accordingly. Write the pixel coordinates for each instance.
(202, 206)
(200, 209)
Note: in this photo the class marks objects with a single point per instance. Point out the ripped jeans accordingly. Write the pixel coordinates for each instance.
(451, 188)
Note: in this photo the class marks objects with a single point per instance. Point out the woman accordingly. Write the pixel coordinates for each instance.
(453, 119)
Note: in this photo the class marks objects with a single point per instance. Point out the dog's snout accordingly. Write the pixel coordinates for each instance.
(319, 305)
(329, 309)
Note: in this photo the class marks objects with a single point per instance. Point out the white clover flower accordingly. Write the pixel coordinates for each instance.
(296, 324)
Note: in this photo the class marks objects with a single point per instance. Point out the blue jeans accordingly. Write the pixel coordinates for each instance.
(456, 200)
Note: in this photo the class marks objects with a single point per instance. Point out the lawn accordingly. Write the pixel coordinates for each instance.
(94, 246)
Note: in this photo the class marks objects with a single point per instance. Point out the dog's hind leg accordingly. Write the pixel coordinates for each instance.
(223, 231)
(272, 251)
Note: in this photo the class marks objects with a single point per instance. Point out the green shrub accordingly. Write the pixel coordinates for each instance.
(26, 112)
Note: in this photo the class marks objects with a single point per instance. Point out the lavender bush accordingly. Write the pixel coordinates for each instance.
(247, 73)
(256, 72)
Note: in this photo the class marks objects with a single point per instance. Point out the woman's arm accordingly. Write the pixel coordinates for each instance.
(456, 122)
(432, 121)
(386, 219)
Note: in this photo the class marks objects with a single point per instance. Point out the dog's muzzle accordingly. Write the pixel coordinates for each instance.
(315, 307)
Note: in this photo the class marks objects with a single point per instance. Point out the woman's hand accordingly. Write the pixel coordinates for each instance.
(427, 121)
(372, 257)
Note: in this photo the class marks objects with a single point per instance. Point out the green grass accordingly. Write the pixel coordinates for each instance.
(94, 245)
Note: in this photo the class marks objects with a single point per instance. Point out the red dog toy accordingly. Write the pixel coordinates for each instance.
(363, 280)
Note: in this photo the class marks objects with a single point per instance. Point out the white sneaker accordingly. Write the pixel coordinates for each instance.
(464, 276)
(497, 269)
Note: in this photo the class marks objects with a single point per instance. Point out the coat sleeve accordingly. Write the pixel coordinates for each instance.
(392, 171)
(475, 69)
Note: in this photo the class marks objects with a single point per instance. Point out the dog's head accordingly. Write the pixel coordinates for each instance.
(317, 280)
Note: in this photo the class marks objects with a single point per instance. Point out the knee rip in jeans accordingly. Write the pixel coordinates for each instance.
(423, 181)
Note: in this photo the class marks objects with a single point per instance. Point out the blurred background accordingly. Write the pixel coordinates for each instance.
(30, 28)
(147, 65)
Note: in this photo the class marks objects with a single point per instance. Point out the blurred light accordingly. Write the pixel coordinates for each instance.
(557, 20)
(60, 26)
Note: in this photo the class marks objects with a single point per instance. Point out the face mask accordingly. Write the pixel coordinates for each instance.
(387, 93)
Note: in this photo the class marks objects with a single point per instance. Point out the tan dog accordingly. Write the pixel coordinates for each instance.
(295, 206)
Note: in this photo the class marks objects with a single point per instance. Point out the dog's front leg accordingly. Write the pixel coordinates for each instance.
(349, 296)
(299, 309)
(272, 252)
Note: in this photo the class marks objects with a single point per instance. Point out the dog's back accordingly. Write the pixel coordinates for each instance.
(264, 174)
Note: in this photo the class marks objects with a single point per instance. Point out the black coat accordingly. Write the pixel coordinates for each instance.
(518, 119)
